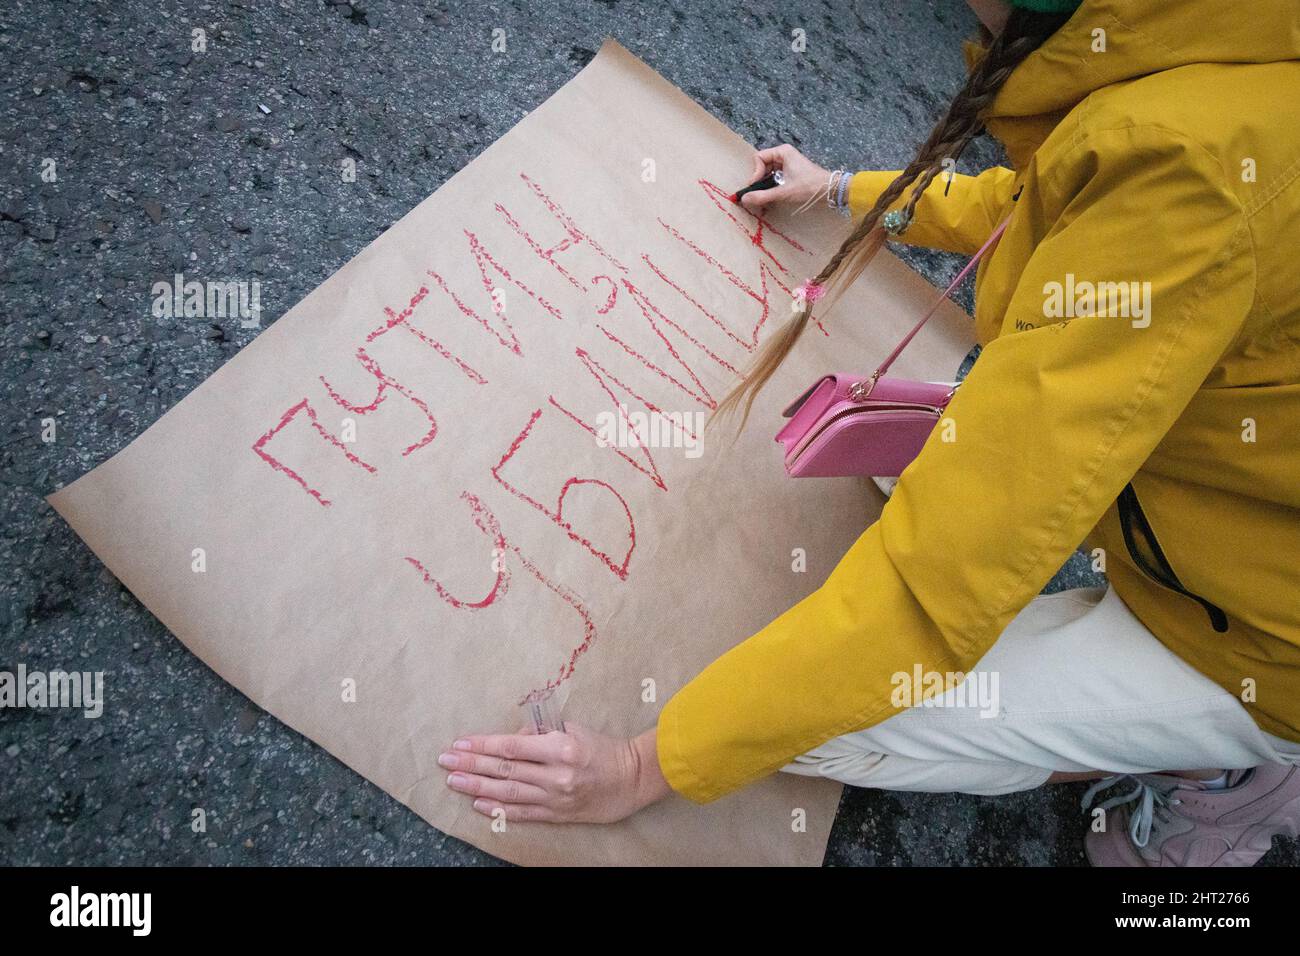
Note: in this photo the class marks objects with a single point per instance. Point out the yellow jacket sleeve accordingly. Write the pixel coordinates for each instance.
(955, 217)
(1050, 425)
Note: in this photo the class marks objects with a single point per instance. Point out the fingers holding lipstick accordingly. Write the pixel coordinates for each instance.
(803, 179)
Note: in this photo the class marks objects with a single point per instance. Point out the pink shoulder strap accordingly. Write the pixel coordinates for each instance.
(898, 349)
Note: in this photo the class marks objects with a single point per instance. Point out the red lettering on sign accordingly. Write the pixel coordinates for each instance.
(557, 514)
(487, 523)
(259, 447)
(385, 382)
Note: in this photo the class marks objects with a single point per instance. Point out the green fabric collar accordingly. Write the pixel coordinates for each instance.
(1047, 6)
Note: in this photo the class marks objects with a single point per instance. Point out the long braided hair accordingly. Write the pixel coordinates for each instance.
(1024, 32)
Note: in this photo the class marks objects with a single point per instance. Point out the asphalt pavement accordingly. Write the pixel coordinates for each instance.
(223, 162)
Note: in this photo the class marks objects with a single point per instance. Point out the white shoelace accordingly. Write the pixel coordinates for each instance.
(1152, 803)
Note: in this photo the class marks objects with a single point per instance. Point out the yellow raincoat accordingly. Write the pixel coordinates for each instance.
(1163, 428)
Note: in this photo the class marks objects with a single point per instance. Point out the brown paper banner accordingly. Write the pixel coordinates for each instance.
(422, 481)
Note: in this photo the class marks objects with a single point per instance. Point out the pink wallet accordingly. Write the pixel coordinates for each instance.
(868, 425)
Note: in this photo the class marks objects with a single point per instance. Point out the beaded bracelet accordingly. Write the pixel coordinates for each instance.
(842, 198)
(837, 188)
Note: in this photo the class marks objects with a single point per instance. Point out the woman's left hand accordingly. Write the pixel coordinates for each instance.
(575, 776)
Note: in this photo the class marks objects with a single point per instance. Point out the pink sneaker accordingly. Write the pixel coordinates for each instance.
(1173, 821)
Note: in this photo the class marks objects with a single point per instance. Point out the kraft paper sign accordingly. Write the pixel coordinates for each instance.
(472, 465)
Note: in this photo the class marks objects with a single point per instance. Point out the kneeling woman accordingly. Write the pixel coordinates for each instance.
(1172, 443)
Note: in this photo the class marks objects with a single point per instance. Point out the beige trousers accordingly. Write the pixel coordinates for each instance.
(1075, 683)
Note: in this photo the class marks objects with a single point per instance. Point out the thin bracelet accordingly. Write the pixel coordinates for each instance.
(831, 186)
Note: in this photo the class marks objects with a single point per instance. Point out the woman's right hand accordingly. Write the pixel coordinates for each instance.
(804, 179)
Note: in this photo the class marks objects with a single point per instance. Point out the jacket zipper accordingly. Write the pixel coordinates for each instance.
(1131, 515)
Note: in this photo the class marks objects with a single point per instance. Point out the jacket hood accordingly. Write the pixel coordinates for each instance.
(1141, 37)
